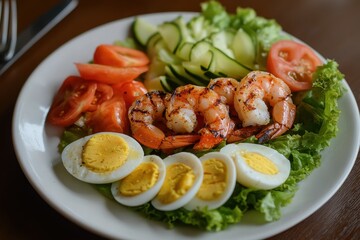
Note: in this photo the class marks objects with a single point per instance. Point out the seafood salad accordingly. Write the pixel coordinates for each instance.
(197, 122)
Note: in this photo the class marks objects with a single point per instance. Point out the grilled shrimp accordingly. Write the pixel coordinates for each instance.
(226, 88)
(190, 101)
(144, 113)
(255, 93)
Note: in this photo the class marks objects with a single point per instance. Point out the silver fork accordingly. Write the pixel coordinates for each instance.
(8, 29)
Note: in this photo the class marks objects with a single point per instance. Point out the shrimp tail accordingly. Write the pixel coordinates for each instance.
(270, 132)
(208, 139)
(207, 142)
(284, 116)
(178, 141)
(149, 135)
(242, 133)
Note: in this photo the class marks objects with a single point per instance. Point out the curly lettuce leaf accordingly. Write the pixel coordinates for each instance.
(210, 220)
(318, 110)
(216, 14)
(70, 135)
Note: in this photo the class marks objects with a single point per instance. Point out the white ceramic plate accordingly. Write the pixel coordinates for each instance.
(36, 148)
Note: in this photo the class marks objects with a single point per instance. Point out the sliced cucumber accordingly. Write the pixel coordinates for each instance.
(156, 68)
(179, 72)
(184, 31)
(153, 84)
(201, 54)
(196, 26)
(153, 43)
(195, 71)
(223, 40)
(223, 65)
(167, 85)
(200, 28)
(143, 30)
(167, 57)
(172, 77)
(171, 34)
(244, 48)
(215, 62)
(195, 52)
(184, 51)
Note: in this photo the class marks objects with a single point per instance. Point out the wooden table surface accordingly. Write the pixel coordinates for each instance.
(330, 26)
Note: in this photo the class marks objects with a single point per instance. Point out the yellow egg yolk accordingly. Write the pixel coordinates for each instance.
(179, 179)
(214, 182)
(105, 152)
(260, 163)
(140, 180)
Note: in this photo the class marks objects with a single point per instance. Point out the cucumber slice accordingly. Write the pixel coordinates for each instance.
(156, 68)
(215, 62)
(178, 71)
(244, 48)
(184, 50)
(223, 40)
(195, 71)
(201, 54)
(143, 30)
(225, 66)
(154, 43)
(196, 27)
(167, 57)
(184, 31)
(200, 28)
(172, 77)
(171, 34)
(167, 85)
(153, 84)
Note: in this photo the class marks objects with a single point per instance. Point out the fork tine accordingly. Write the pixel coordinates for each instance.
(4, 16)
(8, 16)
(13, 31)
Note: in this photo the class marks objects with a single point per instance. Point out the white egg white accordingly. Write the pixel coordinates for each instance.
(251, 178)
(196, 202)
(194, 163)
(146, 196)
(72, 161)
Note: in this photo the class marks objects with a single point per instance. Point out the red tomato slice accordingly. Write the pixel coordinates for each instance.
(130, 91)
(119, 56)
(108, 74)
(74, 97)
(103, 93)
(294, 63)
(110, 116)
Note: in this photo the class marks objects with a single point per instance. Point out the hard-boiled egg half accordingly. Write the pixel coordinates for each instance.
(218, 183)
(103, 157)
(142, 184)
(258, 166)
(184, 175)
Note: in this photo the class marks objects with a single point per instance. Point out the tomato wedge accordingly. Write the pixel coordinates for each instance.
(119, 56)
(103, 93)
(110, 116)
(294, 63)
(108, 74)
(74, 97)
(130, 91)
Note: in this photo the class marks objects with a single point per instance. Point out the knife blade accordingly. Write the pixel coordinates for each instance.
(38, 29)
